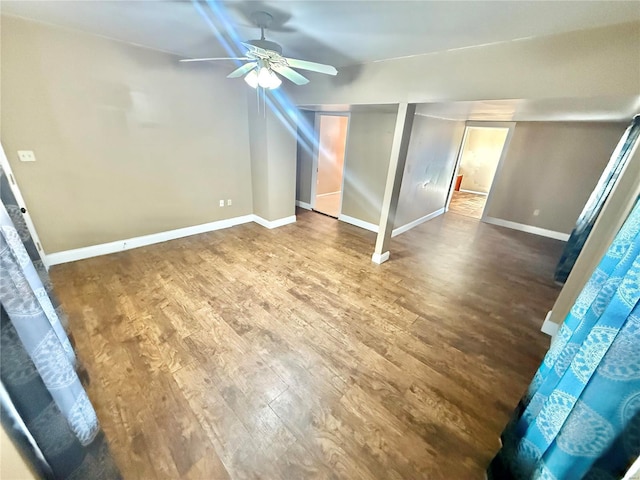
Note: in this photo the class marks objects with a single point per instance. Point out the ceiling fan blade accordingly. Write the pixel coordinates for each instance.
(185, 60)
(311, 66)
(290, 74)
(253, 48)
(246, 68)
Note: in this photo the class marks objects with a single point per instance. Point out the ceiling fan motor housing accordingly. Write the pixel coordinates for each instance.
(267, 45)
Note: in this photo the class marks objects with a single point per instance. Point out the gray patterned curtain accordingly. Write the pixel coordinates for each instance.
(38, 364)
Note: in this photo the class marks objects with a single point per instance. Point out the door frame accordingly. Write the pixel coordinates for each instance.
(316, 153)
(505, 148)
(15, 189)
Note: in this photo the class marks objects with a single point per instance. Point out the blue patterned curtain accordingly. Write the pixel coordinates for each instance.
(38, 364)
(594, 205)
(581, 415)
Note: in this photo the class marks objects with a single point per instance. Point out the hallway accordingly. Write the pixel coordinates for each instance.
(467, 204)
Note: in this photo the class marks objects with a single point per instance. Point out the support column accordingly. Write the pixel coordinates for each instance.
(399, 148)
(272, 146)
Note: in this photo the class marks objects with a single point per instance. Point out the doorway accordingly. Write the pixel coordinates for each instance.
(480, 154)
(332, 143)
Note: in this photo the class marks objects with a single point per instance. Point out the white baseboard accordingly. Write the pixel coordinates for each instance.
(305, 205)
(415, 223)
(549, 327)
(130, 243)
(358, 223)
(135, 242)
(484, 194)
(527, 228)
(380, 258)
(274, 223)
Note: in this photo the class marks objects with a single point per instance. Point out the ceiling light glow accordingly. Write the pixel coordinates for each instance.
(268, 79)
(275, 81)
(252, 79)
(264, 78)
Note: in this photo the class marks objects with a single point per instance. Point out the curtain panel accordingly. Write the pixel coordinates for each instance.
(581, 415)
(38, 368)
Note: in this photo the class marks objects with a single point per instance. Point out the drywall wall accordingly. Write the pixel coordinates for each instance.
(431, 159)
(614, 213)
(551, 167)
(281, 147)
(480, 156)
(366, 164)
(257, 123)
(273, 161)
(128, 141)
(587, 63)
(307, 140)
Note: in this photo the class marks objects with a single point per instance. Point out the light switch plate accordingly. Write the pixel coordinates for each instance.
(26, 156)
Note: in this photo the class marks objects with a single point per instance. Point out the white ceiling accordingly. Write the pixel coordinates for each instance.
(337, 32)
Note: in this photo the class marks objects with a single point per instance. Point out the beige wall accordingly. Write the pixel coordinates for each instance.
(615, 210)
(12, 465)
(282, 168)
(480, 157)
(431, 158)
(587, 63)
(307, 138)
(259, 158)
(366, 164)
(128, 142)
(552, 167)
(333, 138)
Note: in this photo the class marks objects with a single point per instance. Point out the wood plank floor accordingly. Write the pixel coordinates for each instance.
(467, 204)
(287, 354)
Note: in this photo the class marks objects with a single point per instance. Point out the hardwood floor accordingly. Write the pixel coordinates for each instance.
(287, 354)
(467, 204)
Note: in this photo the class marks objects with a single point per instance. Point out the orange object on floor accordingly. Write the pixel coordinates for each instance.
(458, 182)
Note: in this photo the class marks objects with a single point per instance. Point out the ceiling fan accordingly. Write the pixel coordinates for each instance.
(264, 58)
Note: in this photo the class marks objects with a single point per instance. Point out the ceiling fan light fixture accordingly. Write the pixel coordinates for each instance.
(252, 79)
(275, 81)
(264, 79)
(268, 79)
(264, 58)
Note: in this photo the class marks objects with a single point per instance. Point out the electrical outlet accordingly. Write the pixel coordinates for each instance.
(222, 203)
(536, 212)
(26, 156)
(229, 203)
